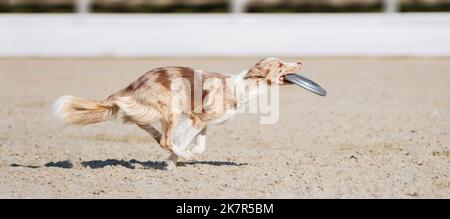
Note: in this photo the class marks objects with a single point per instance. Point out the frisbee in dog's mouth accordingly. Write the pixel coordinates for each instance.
(304, 82)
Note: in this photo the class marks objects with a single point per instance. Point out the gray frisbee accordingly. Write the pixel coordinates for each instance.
(306, 83)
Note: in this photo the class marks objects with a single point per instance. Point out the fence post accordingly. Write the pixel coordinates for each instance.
(237, 6)
(391, 6)
(83, 6)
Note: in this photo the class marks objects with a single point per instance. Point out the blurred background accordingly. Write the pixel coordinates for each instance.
(224, 28)
(382, 131)
(220, 6)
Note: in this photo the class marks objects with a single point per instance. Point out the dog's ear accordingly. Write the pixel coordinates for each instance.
(257, 72)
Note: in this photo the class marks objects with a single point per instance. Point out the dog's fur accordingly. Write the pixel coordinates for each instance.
(168, 95)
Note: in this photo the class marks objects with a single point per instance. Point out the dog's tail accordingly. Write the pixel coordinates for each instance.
(74, 110)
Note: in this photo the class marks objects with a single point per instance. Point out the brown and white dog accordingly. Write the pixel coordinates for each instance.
(182, 100)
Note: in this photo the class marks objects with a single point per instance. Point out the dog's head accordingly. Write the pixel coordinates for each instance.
(272, 71)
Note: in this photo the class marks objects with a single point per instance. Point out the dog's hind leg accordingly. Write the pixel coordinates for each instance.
(152, 131)
(172, 161)
(156, 134)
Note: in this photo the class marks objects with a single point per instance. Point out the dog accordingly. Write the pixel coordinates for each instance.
(184, 101)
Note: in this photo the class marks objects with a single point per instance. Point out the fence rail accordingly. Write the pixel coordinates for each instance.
(238, 6)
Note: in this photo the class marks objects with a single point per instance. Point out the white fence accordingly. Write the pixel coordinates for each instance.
(225, 35)
(237, 34)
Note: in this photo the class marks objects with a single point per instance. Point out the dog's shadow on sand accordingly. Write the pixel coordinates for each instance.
(130, 164)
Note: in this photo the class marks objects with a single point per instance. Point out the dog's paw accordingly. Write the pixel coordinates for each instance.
(197, 150)
(185, 154)
(170, 165)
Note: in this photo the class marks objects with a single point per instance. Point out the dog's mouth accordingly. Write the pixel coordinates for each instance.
(282, 80)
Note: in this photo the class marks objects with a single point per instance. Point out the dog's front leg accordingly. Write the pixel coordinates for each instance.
(200, 142)
(179, 133)
(183, 135)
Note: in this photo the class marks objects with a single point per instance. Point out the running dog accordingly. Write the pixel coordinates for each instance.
(181, 100)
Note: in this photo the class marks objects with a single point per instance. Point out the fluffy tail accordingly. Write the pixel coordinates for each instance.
(74, 110)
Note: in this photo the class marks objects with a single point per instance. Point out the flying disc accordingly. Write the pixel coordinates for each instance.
(306, 83)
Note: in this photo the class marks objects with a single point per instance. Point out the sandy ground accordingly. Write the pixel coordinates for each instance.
(383, 131)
